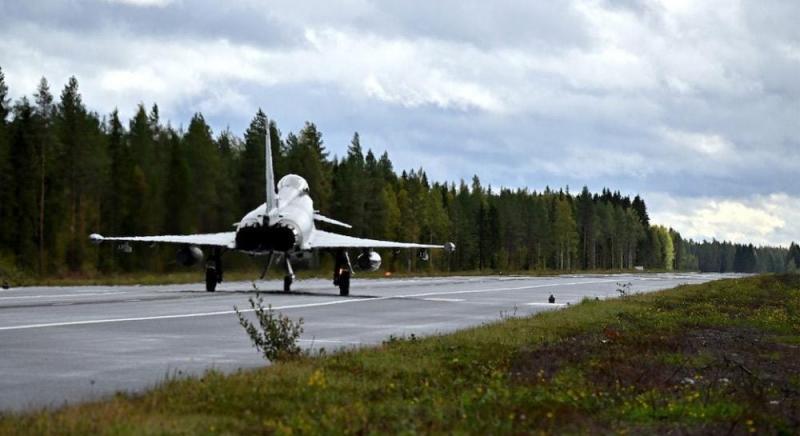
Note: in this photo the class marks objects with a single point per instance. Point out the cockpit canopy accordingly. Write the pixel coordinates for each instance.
(293, 181)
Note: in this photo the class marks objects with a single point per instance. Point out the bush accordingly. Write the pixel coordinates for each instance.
(277, 337)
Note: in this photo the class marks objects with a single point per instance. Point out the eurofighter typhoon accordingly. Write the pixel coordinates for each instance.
(283, 226)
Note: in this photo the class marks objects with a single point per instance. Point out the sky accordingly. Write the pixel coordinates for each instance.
(693, 105)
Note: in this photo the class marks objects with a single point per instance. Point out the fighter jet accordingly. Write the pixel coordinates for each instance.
(281, 227)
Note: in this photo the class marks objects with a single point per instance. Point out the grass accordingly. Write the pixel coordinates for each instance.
(719, 358)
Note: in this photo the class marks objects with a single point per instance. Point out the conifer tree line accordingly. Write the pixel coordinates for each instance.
(66, 172)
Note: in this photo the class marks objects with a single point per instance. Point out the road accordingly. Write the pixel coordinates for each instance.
(73, 344)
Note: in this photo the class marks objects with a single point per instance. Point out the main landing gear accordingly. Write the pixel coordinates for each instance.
(214, 270)
(342, 270)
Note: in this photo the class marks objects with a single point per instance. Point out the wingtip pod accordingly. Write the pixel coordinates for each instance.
(96, 238)
(450, 247)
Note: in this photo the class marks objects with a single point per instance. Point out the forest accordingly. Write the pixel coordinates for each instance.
(66, 172)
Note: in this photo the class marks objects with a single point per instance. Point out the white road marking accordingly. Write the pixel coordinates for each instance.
(291, 306)
(86, 294)
(445, 300)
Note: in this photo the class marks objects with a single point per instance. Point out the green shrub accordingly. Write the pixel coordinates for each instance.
(277, 336)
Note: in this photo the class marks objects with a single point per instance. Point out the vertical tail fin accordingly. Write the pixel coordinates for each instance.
(272, 197)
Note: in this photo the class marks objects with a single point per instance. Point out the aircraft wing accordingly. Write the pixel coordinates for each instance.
(224, 239)
(323, 239)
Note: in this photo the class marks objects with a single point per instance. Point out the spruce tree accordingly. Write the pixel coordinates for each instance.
(179, 194)
(793, 257)
(6, 181)
(45, 142)
(307, 157)
(72, 135)
(23, 159)
(252, 191)
(586, 228)
(145, 171)
(203, 160)
(116, 210)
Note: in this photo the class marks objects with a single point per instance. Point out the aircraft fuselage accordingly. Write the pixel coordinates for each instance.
(285, 227)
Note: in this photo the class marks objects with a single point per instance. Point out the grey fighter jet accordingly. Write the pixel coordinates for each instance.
(281, 227)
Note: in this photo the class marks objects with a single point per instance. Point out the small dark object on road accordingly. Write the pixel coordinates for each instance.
(552, 299)
(5, 285)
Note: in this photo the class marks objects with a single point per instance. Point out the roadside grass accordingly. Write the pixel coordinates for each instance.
(719, 358)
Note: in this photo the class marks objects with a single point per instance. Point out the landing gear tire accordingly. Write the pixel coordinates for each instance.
(344, 283)
(287, 284)
(211, 279)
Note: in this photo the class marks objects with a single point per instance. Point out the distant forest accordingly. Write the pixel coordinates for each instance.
(66, 172)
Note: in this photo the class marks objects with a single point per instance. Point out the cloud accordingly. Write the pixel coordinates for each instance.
(142, 3)
(695, 100)
(705, 143)
(762, 219)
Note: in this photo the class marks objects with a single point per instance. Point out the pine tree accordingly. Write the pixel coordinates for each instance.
(228, 193)
(178, 195)
(23, 159)
(793, 257)
(350, 189)
(375, 209)
(641, 210)
(307, 157)
(586, 227)
(6, 182)
(565, 236)
(74, 155)
(202, 158)
(251, 187)
(117, 212)
(146, 171)
(44, 116)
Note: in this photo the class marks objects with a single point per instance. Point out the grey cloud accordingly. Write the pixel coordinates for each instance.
(244, 22)
(617, 94)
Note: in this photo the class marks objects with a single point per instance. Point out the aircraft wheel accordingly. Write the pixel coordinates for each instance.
(287, 284)
(344, 283)
(211, 279)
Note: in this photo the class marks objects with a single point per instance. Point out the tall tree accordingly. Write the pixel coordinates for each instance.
(117, 212)
(308, 158)
(203, 160)
(22, 147)
(587, 228)
(349, 187)
(565, 236)
(178, 195)
(147, 171)
(45, 141)
(793, 257)
(6, 180)
(75, 154)
(252, 191)
(228, 201)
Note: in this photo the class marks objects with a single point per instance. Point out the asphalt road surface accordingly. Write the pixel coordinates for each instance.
(72, 344)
